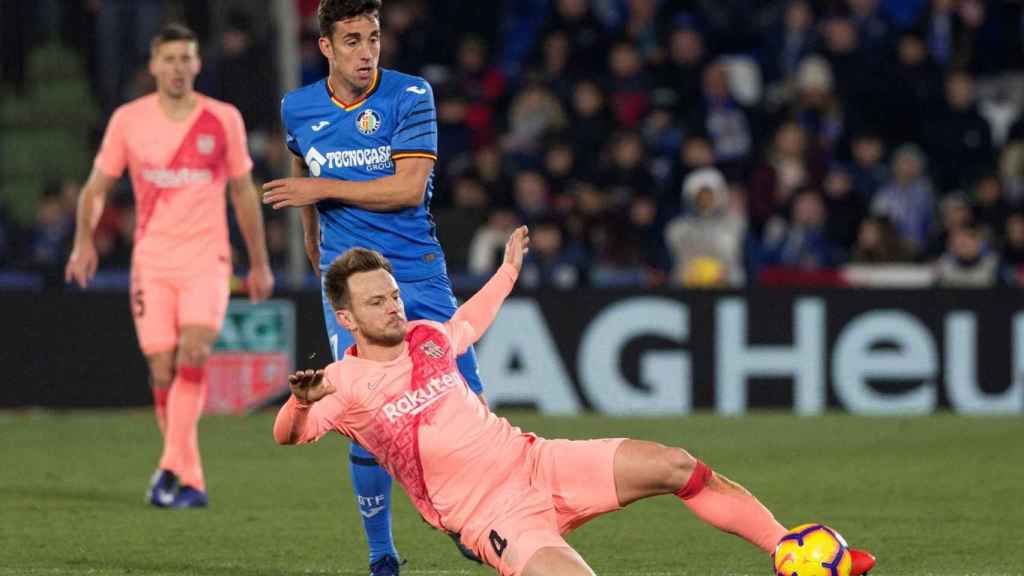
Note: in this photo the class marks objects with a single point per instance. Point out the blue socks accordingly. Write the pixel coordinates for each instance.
(373, 493)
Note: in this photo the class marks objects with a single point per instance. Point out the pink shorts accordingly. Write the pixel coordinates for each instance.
(162, 304)
(568, 483)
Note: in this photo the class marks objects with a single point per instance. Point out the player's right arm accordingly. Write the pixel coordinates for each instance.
(308, 214)
(310, 220)
(306, 416)
(110, 163)
(82, 263)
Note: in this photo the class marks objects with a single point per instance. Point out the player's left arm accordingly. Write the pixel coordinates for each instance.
(245, 200)
(473, 318)
(246, 203)
(405, 189)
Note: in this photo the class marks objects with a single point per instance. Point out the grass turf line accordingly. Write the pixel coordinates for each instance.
(932, 496)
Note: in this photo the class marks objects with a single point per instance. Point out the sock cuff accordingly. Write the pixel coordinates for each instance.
(698, 480)
(160, 396)
(192, 374)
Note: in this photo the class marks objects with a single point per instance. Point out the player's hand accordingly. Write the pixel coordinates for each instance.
(82, 263)
(309, 385)
(518, 245)
(260, 282)
(285, 192)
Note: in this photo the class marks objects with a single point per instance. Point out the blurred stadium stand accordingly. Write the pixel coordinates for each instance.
(849, 142)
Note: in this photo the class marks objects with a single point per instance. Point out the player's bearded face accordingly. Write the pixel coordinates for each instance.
(377, 309)
(175, 66)
(354, 51)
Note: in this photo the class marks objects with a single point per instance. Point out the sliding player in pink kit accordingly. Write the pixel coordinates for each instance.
(181, 149)
(510, 496)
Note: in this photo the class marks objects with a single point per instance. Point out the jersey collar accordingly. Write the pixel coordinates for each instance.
(348, 107)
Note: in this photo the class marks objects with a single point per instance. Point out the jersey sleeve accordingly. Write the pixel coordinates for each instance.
(289, 137)
(302, 424)
(474, 317)
(237, 157)
(415, 134)
(112, 158)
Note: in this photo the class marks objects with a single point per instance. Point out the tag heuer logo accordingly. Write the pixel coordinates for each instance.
(368, 122)
(431, 349)
(205, 144)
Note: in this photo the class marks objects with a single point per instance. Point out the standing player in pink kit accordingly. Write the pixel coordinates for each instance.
(181, 149)
(510, 496)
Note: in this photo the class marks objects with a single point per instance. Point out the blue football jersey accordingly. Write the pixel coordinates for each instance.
(361, 141)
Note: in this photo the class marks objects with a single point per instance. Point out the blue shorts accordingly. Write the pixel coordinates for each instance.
(429, 299)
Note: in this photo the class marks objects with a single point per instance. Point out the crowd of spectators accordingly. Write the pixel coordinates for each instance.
(686, 142)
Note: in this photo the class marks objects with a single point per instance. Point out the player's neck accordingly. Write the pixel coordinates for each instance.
(378, 352)
(344, 91)
(177, 108)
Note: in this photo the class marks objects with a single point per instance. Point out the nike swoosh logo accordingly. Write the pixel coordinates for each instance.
(371, 512)
(416, 90)
(320, 126)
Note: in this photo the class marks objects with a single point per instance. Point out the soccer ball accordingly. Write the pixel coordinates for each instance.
(811, 550)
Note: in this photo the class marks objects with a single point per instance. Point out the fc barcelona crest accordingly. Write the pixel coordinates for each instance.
(205, 144)
(431, 349)
(368, 122)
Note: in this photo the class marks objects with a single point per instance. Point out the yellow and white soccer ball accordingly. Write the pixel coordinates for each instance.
(811, 550)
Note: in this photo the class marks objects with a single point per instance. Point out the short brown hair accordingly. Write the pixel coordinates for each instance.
(353, 261)
(331, 11)
(172, 33)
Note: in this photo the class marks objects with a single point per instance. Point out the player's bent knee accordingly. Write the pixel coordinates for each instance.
(679, 465)
(194, 354)
(161, 370)
(161, 377)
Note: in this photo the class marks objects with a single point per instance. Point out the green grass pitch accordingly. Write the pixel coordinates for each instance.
(941, 496)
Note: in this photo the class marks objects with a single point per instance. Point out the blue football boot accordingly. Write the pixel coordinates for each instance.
(163, 487)
(385, 566)
(189, 497)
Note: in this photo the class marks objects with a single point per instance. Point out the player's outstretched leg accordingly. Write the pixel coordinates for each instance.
(644, 469)
(372, 485)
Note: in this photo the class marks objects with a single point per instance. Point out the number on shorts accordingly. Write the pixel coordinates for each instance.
(498, 543)
(138, 307)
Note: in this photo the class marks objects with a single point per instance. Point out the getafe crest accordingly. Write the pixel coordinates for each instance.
(368, 122)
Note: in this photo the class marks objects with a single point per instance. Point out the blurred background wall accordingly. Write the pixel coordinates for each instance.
(866, 155)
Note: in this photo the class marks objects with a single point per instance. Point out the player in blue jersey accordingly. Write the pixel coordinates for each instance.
(365, 144)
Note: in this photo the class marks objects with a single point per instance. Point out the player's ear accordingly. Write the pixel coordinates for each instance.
(345, 318)
(326, 47)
